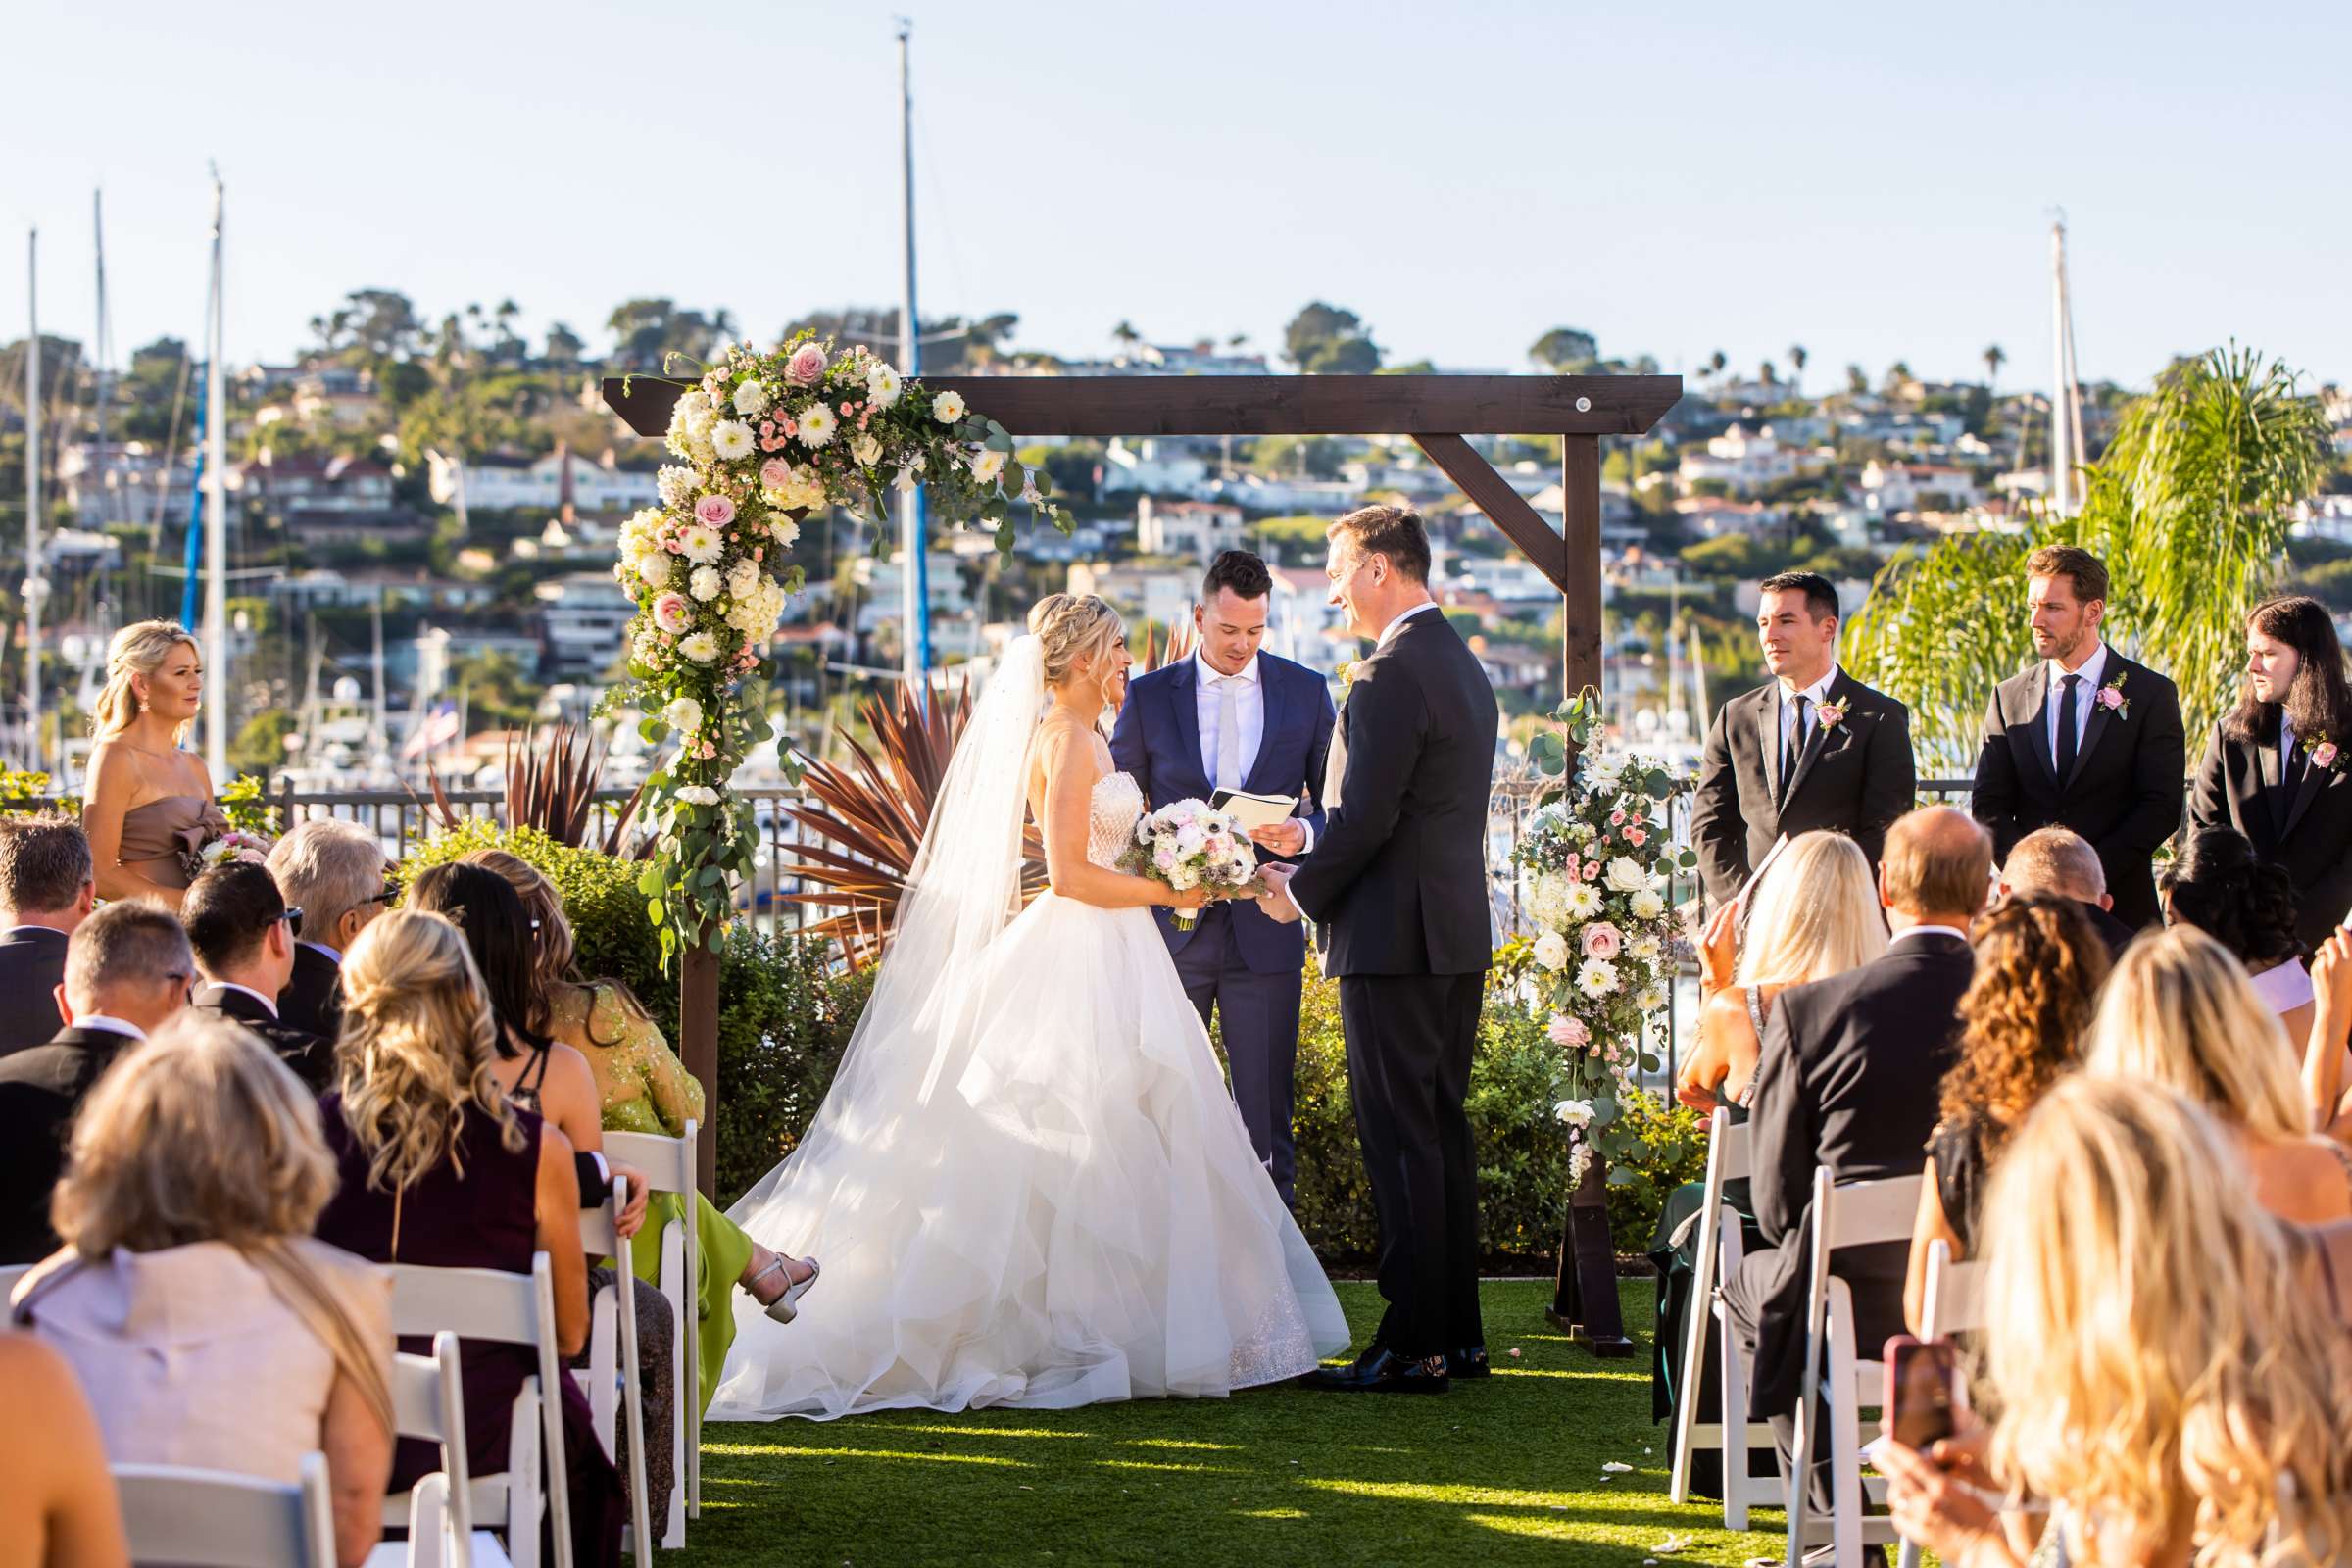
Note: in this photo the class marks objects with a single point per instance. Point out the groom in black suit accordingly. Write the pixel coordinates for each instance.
(1812, 748)
(2085, 740)
(1399, 881)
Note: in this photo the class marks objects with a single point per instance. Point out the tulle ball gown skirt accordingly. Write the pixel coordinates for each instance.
(1036, 1195)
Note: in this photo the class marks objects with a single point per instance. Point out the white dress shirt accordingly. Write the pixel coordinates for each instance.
(270, 1002)
(2087, 690)
(1952, 931)
(1390, 629)
(1249, 710)
(1814, 695)
(111, 1025)
(322, 948)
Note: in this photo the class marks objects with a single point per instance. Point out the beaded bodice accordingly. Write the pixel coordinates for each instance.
(1117, 806)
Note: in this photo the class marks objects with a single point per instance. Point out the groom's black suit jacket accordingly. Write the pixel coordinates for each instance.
(1398, 878)
(1855, 777)
(2124, 792)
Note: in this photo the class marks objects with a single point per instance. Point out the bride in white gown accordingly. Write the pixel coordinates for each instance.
(1028, 1185)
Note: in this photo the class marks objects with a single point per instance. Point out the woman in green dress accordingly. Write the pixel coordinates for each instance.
(645, 1088)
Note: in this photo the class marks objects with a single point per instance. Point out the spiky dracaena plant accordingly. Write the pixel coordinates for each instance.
(550, 786)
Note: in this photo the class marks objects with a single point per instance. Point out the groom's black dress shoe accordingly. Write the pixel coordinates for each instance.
(1470, 1361)
(1382, 1371)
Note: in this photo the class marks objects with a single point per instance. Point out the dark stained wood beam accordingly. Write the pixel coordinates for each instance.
(1520, 522)
(1579, 528)
(1268, 405)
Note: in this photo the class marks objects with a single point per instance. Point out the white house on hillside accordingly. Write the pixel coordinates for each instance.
(499, 480)
(1147, 466)
(1744, 460)
(1918, 486)
(1194, 528)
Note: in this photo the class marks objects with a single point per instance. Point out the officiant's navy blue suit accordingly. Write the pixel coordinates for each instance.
(1235, 962)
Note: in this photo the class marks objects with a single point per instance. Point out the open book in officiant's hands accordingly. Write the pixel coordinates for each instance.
(1254, 812)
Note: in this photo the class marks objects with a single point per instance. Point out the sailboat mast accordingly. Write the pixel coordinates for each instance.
(99, 354)
(33, 583)
(917, 638)
(2064, 440)
(216, 512)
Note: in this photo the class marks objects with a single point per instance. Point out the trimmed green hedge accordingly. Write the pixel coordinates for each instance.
(786, 1012)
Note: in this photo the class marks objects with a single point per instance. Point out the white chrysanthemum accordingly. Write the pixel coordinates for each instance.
(1597, 978)
(987, 463)
(1625, 875)
(818, 425)
(1552, 951)
(1583, 900)
(705, 584)
(883, 385)
(1649, 904)
(866, 450)
(752, 398)
(1651, 999)
(702, 545)
(732, 440)
(683, 714)
(701, 647)
(783, 530)
(947, 406)
(1650, 950)
(675, 484)
(1576, 1113)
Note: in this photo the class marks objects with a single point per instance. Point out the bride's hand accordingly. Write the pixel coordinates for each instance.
(1182, 897)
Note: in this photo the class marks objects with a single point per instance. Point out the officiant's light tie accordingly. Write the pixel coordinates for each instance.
(1229, 735)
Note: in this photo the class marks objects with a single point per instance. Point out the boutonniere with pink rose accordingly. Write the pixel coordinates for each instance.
(1830, 715)
(2111, 697)
(2324, 753)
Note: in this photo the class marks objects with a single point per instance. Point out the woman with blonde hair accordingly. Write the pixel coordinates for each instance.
(149, 801)
(439, 1167)
(1816, 914)
(2039, 967)
(2162, 1382)
(643, 1087)
(2180, 1011)
(205, 1324)
(1028, 1182)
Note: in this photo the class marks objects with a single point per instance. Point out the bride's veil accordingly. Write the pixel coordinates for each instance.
(962, 891)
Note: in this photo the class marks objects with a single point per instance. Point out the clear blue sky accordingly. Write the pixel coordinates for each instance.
(1872, 182)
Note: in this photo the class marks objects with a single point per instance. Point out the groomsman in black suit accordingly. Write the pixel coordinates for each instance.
(243, 934)
(1812, 748)
(2086, 739)
(46, 890)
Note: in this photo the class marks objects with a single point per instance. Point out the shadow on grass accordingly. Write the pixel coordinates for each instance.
(1504, 1471)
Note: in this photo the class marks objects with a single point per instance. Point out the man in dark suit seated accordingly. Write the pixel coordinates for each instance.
(243, 935)
(128, 968)
(46, 887)
(2062, 864)
(334, 872)
(1848, 1080)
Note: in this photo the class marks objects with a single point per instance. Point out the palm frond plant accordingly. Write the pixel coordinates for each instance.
(873, 810)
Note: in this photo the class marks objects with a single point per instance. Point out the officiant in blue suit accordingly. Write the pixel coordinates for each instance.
(1234, 716)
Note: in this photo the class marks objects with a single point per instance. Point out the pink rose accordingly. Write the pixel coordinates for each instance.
(2111, 697)
(1636, 837)
(806, 366)
(672, 613)
(775, 475)
(1592, 870)
(1573, 869)
(714, 512)
(1603, 941)
(1569, 1034)
(1616, 819)
(2322, 755)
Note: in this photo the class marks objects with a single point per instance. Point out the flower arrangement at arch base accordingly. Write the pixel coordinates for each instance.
(761, 439)
(1596, 863)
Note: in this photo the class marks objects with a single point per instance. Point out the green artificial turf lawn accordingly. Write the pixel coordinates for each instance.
(1503, 1470)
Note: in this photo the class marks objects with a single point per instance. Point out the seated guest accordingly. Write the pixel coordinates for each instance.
(2271, 768)
(207, 1326)
(59, 1508)
(2039, 967)
(1815, 914)
(46, 888)
(128, 968)
(2219, 888)
(1847, 1083)
(2179, 1012)
(439, 1167)
(243, 937)
(2060, 862)
(644, 1087)
(334, 872)
(2164, 1386)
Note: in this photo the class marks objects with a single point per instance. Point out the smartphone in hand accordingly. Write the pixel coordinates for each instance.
(1924, 1394)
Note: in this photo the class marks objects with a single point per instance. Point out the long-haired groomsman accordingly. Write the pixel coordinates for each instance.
(2276, 767)
(1811, 747)
(2086, 739)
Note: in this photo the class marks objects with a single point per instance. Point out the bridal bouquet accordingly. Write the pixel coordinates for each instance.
(1191, 845)
(1595, 861)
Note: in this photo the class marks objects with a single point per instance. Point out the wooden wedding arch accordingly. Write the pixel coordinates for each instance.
(1437, 411)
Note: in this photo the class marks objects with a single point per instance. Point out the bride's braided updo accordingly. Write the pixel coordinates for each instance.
(1070, 628)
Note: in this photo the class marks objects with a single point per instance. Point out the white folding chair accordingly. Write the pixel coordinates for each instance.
(1954, 1305)
(1853, 1214)
(428, 1401)
(1719, 1251)
(668, 1166)
(487, 1303)
(213, 1519)
(611, 1381)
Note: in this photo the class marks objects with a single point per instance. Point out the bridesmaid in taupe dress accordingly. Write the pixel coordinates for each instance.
(149, 801)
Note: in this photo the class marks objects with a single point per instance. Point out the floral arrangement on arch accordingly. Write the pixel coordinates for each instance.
(761, 439)
(1596, 863)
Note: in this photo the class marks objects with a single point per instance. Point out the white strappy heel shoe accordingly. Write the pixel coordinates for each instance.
(784, 1308)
